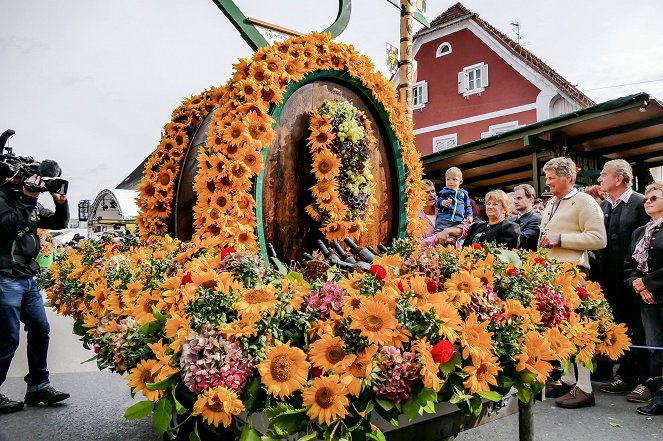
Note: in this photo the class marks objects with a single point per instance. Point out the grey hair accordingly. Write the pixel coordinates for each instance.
(527, 189)
(428, 183)
(621, 168)
(562, 167)
(656, 185)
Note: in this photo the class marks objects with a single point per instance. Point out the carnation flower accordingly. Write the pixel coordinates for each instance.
(378, 271)
(442, 351)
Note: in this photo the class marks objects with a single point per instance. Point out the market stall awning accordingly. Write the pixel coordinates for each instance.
(630, 128)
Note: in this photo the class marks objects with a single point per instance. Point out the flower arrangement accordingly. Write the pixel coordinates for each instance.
(212, 334)
(341, 142)
(241, 126)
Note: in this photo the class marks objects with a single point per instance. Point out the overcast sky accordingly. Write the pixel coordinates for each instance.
(91, 83)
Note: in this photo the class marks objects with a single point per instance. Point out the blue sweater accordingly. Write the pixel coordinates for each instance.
(459, 209)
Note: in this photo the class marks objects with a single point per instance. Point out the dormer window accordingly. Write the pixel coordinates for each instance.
(443, 49)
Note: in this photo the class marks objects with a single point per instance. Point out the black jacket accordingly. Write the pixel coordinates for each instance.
(529, 229)
(504, 233)
(654, 280)
(20, 216)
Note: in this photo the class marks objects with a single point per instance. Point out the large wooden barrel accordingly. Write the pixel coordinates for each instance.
(282, 190)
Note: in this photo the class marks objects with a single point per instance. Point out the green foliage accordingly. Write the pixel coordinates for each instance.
(139, 410)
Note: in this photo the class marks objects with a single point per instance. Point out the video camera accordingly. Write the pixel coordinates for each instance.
(15, 170)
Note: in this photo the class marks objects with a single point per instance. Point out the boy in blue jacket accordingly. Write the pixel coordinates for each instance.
(453, 203)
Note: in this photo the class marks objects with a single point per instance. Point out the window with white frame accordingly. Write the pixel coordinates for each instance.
(473, 79)
(419, 94)
(497, 129)
(443, 49)
(445, 142)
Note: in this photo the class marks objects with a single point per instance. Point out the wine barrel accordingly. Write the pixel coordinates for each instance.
(282, 189)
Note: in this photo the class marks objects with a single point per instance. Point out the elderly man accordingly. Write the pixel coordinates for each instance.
(523, 198)
(572, 224)
(623, 212)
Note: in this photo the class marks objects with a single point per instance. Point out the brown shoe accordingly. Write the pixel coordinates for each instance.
(575, 399)
(556, 389)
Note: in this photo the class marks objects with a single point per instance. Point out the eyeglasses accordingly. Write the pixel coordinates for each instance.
(652, 198)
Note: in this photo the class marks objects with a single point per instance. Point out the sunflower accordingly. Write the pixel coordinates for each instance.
(325, 188)
(247, 89)
(218, 406)
(461, 286)
(284, 371)
(254, 301)
(293, 70)
(561, 347)
(320, 139)
(481, 375)
(325, 165)
(616, 341)
(252, 158)
(328, 399)
(319, 121)
(535, 356)
(451, 322)
(375, 321)
(260, 128)
(177, 329)
(328, 354)
(429, 368)
(141, 375)
(272, 92)
(335, 231)
(475, 340)
(484, 275)
(235, 135)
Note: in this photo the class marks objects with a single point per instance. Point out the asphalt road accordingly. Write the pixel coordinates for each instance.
(98, 400)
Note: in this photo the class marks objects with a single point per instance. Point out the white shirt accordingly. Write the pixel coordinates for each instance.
(623, 198)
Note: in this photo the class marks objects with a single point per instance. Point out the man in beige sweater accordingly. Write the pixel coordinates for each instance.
(572, 223)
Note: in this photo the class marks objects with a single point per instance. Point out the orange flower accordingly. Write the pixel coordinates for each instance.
(284, 371)
(218, 406)
(616, 341)
(141, 375)
(475, 340)
(535, 356)
(327, 398)
(328, 354)
(375, 321)
(481, 375)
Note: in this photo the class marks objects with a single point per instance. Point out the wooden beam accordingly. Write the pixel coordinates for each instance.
(497, 174)
(536, 143)
(627, 146)
(273, 27)
(490, 160)
(615, 131)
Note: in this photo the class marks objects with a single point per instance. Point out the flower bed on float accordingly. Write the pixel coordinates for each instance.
(215, 334)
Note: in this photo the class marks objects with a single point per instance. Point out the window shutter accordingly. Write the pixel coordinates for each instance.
(484, 75)
(424, 92)
(461, 82)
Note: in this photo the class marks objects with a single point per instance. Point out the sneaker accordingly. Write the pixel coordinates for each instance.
(47, 395)
(617, 386)
(639, 395)
(557, 389)
(9, 406)
(576, 398)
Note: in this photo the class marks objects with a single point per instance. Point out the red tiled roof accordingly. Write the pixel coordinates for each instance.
(458, 13)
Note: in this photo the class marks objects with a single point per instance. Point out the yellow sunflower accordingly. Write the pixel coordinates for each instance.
(142, 374)
(218, 406)
(616, 341)
(484, 275)
(253, 301)
(461, 286)
(320, 139)
(451, 322)
(328, 399)
(335, 231)
(325, 188)
(328, 354)
(375, 321)
(561, 347)
(481, 375)
(284, 371)
(535, 356)
(475, 340)
(429, 368)
(325, 165)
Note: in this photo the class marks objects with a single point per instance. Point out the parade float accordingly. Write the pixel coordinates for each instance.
(308, 142)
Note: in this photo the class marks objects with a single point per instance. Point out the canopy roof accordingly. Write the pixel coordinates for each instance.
(630, 128)
(115, 204)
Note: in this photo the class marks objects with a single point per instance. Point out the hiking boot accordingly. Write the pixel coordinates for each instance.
(575, 399)
(47, 395)
(639, 395)
(557, 389)
(9, 406)
(617, 386)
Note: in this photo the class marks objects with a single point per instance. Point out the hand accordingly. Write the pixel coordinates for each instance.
(638, 285)
(446, 203)
(647, 297)
(58, 198)
(36, 180)
(550, 240)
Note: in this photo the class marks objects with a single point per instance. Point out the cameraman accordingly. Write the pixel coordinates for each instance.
(20, 299)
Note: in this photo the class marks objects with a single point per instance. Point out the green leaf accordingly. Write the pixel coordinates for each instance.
(613, 424)
(79, 328)
(163, 414)
(249, 434)
(376, 435)
(385, 404)
(150, 328)
(253, 395)
(491, 395)
(139, 410)
(193, 436)
(158, 315)
(280, 267)
(308, 436)
(524, 394)
(163, 384)
(451, 365)
(411, 408)
(181, 410)
(287, 424)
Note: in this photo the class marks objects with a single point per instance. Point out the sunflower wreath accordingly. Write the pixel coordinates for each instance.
(241, 127)
(341, 142)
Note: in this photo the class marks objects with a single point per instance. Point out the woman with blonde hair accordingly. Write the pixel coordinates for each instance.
(497, 228)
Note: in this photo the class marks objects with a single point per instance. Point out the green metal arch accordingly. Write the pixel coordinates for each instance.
(394, 156)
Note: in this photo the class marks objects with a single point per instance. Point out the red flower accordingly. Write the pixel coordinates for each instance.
(316, 372)
(378, 271)
(582, 292)
(227, 251)
(431, 285)
(512, 272)
(476, 246)
(187, 278)
(539, 260)
(442, 351)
